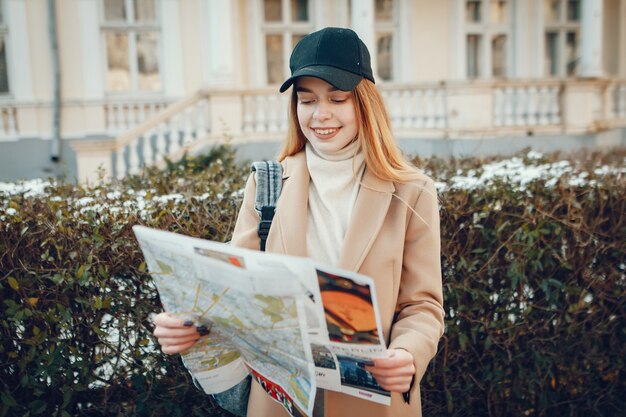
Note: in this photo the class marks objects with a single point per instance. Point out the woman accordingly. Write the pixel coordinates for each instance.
(350, 199)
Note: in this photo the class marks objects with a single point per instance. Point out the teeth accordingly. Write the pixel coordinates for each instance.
(324, 131)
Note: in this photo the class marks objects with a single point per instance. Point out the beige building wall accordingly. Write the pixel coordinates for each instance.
(430, 33)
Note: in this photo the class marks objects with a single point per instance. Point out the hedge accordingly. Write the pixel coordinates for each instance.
(534, 277)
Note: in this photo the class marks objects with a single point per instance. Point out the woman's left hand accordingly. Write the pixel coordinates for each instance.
(395, 372)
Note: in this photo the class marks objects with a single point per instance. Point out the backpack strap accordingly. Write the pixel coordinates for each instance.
(269, 182)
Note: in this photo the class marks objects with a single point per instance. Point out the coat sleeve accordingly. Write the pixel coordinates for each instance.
(245, 234)
(419, 310)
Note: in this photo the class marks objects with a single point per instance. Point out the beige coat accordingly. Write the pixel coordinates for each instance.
(385, 240)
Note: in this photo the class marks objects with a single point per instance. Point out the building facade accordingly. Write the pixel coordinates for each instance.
(129, 82)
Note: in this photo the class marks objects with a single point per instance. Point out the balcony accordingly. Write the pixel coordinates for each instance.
(145, 132)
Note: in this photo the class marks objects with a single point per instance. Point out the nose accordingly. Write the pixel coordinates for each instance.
(322, 112)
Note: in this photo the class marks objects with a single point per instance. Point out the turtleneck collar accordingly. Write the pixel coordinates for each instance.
(341, 155)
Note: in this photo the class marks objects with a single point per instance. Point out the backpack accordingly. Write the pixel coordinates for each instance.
(269, 181)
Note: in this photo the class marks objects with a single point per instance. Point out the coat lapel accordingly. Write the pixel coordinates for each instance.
(292, 210)
(369, 212)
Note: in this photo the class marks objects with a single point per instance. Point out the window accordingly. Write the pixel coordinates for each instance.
(385, 22)
(131, 37)
(285, 22)
(561, 39)
(4, 71)
(487, 38)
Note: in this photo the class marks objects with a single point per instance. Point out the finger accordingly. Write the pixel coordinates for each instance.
(174, 332)
(171, 341)
(396, 361)
(167, 320)
(396, 388)
(405, 371)
(394, 381)
(171, 350)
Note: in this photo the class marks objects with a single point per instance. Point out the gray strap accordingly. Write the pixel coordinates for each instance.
(269, 181)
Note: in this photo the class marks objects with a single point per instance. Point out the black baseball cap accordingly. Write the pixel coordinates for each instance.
(335, 55)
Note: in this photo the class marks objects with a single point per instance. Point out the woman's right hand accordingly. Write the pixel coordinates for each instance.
(176, 335)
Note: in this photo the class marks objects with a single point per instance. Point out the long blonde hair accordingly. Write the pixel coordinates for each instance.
(375, 137)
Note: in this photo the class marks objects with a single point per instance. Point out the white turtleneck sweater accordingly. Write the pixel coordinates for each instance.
(333, 190)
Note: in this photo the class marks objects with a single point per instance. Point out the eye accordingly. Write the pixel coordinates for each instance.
(338, 99)
(303, 100)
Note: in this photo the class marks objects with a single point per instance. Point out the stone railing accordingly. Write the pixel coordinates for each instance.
(8, 122)
(167, 134)
(527, 104)
(416, 107)
(120, 114)
(454, 109)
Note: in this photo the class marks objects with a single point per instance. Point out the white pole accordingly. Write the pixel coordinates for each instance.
(591, 39)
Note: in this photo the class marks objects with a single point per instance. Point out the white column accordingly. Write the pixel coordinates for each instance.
(91, 50)
(18, 51)
(538, 48)
(363, 25)
(622, 40)
(218, 56)
(520, 67)
(172, 57)
(591, 39)
(405, 56)
(458, 49)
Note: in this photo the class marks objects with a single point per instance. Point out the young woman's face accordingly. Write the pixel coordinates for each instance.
(326, 115)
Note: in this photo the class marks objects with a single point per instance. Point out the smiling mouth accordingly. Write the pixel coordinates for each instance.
(326, 131)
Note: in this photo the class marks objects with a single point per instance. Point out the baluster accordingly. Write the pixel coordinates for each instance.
(429, 113)
(201, 109)
(509, 97)
(133, 157)
(110, 127)
(132, 116)
(261, 118)
(555, 106)
(116, 117)
(407, 109)
(187, 128)
(120, 163)
(207, 115)
(248, 112)
(2, 124)
(418, 116)
(146, 148)
(174, 133)
(11, 123)
(440, 106)
(543, 105)
(609, 103)
(272, 116)
(622, 101)
(498, 107)
(123, 117)
(142, 112)
(521, 103)
(152, 109)
(161, 143)
(531, 106)
(395, 109)
(284, 106)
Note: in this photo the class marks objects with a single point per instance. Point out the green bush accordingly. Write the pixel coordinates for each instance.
(534, 277)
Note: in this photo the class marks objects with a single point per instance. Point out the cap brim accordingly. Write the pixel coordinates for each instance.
(338, 78)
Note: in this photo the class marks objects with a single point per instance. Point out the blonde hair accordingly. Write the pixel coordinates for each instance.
(375, 137)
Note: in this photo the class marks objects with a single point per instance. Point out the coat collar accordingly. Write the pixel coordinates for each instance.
(368, 215)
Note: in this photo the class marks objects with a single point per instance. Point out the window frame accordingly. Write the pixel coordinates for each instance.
(286, 28)
(5, 34)
(389, 27)
(132, 28)
(562, 27)
(487, 31)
